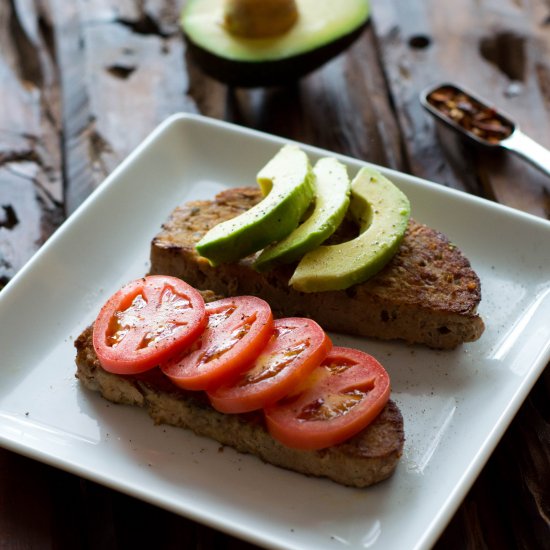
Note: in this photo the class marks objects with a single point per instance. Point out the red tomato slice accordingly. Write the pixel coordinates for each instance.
(146, 322)
(238, 330)
(339, 399)
(297, 346)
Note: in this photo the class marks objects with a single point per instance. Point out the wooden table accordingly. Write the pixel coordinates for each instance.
(83, 82)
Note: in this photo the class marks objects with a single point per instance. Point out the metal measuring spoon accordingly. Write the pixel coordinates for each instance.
(476, 119)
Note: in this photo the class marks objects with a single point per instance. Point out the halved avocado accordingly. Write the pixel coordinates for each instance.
(322, 30)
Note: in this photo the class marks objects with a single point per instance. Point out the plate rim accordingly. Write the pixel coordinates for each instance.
(453, 500)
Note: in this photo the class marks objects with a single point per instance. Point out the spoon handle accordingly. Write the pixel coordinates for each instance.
(529, 149)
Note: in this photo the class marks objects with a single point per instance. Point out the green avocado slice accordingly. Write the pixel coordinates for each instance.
(324, 29)
(286, 182)
(382, 212)
(332, 190)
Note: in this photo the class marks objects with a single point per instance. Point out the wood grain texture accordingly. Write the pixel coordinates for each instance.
(122, 74)
(31, 187)
(499, 49)
(83, 82)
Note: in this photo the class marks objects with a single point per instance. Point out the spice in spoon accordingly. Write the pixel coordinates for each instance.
(471, 115)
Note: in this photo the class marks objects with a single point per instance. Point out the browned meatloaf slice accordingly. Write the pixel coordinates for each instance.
(428, 293)
(368, 458)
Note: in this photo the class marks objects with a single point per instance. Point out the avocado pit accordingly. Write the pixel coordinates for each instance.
(253, 19)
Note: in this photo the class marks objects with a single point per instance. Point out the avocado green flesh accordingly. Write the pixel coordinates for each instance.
(287, 180)
(382, 212)
(324, 29)
(319, 22)
(332, 189)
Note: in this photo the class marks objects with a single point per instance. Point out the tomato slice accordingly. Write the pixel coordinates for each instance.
(146, 322)
(296, 347)
(339, 399)
(238, 330)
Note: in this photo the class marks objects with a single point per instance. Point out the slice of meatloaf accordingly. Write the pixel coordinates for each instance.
(368, 458)
(428, 293)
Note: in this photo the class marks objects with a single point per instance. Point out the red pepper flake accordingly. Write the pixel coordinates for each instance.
(474, 117)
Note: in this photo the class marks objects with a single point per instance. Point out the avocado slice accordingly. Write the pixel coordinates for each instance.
(322, 30)
(382, 212)
(286, 182)
(332, 190)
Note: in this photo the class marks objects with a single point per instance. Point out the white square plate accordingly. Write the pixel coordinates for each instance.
(456, 405)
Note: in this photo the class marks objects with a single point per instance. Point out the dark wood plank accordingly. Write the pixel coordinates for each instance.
(122, 74)
(31, 188)
(500, 49)
(25, 501)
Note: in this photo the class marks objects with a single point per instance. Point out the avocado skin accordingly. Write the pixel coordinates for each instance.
(279, 72)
